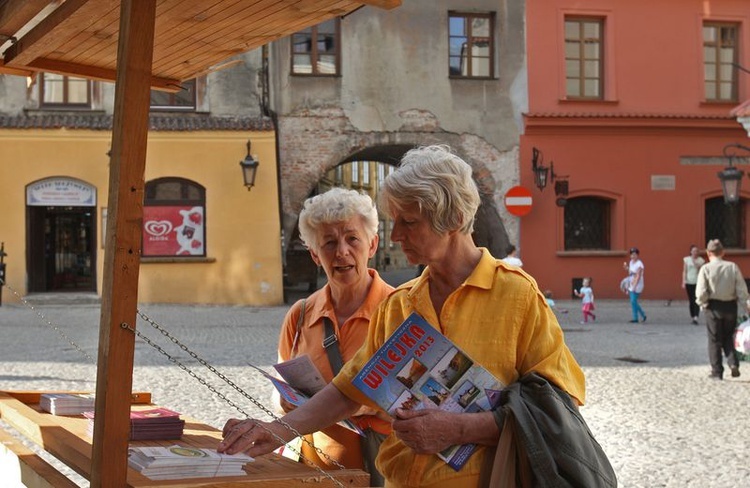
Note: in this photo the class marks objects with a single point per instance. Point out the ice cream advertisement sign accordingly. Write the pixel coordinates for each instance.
(173, 231)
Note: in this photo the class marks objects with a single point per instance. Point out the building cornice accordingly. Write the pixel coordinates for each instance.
(620, 120)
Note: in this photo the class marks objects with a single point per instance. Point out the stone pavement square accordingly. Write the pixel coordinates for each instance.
(649, 402)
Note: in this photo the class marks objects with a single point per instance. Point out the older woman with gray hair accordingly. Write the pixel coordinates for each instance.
(493, 312)
(340, 229)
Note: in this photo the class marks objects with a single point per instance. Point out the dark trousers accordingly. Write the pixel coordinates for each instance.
(694, 308)
(721, 320)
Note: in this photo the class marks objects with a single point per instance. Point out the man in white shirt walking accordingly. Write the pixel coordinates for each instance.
(720, 288)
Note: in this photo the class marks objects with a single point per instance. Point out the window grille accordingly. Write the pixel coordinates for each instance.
(726, 222)
(587, 224)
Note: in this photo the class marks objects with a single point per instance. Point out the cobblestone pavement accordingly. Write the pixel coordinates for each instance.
(662, 422)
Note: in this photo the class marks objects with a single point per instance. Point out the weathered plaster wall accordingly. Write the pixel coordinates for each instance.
(394, 88)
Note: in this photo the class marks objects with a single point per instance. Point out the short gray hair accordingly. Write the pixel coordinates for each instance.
(441, 185)
(336, 205)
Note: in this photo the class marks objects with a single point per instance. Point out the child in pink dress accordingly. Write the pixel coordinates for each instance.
(586, 294)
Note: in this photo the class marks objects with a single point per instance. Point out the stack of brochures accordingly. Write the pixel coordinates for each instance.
(66, 403)
(155, 424)
(180, 462)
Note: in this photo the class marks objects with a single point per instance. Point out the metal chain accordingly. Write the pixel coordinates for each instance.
(205, 383)
(46, 321)
(229, 382)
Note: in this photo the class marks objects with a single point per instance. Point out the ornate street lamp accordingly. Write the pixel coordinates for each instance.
(731, 177)
(540, 171)
(249, 168)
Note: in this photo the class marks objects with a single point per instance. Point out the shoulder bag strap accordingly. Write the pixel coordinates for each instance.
(299, 327)
(331, 345)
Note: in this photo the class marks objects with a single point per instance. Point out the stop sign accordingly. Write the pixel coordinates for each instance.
(518, 201)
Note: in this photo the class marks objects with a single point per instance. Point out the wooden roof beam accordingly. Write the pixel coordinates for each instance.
(384, 4)
(55, 29)
(6, 70)
(97, 73)
(14, 14)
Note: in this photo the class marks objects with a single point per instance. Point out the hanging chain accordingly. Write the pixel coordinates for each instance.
(46, 321)
(213, 390)
(194, 375)
(229, 382)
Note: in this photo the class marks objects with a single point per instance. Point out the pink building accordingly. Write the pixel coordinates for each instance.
(630, 104)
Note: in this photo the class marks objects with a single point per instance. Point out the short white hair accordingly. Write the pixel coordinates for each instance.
(336, 205)
(441, 185)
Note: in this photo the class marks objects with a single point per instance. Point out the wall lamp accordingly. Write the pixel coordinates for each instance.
(541, 172)
(249, 167)
(731, 177)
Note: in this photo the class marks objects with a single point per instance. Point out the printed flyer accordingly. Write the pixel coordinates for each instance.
(418, 368)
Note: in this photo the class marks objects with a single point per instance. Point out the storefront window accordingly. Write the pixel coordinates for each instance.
(174, 216)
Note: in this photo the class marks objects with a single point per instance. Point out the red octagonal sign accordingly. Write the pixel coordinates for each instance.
(518, 201)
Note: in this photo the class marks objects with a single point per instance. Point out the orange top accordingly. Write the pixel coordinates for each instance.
(337, 442)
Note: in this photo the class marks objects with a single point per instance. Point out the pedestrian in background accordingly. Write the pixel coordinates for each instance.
(510, 256)
(586, 294)
(635, 284)
(690, 266)
(720, 287)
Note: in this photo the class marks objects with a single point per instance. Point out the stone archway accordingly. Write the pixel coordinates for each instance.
(313, 141)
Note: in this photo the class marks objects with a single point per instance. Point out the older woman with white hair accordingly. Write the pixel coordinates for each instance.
(340, 229)
(493, 312)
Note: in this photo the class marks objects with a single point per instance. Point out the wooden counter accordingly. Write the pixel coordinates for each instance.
(67, 440)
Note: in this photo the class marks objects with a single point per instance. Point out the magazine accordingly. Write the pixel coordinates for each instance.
(154, 424)
(301, 373)
(418, 368)
(179, 462)
(66, 403)
(297, 397)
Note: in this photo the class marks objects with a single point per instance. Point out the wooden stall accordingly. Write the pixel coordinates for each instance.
(139, 44)
(66, 438)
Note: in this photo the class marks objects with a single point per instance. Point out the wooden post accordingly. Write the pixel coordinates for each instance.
(123, 243)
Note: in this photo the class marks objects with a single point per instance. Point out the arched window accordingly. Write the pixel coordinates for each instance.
(588, 224)
(726, 222)
(174, 218)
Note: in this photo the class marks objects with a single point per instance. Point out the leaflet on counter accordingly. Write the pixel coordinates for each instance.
(297, 397)
(419, 368)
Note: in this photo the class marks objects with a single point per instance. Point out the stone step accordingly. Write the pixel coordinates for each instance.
(69, 298)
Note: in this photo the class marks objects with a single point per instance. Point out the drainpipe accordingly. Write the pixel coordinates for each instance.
(266, 111)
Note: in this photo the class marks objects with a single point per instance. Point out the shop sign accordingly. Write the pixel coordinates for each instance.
(173, 231)
(60, 192)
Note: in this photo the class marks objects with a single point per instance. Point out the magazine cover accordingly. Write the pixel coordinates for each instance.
(418, 368)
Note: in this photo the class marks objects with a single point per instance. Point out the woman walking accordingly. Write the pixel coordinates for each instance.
(635, 285)
(690, 266)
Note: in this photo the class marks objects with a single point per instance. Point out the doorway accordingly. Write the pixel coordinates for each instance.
(62, 249)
